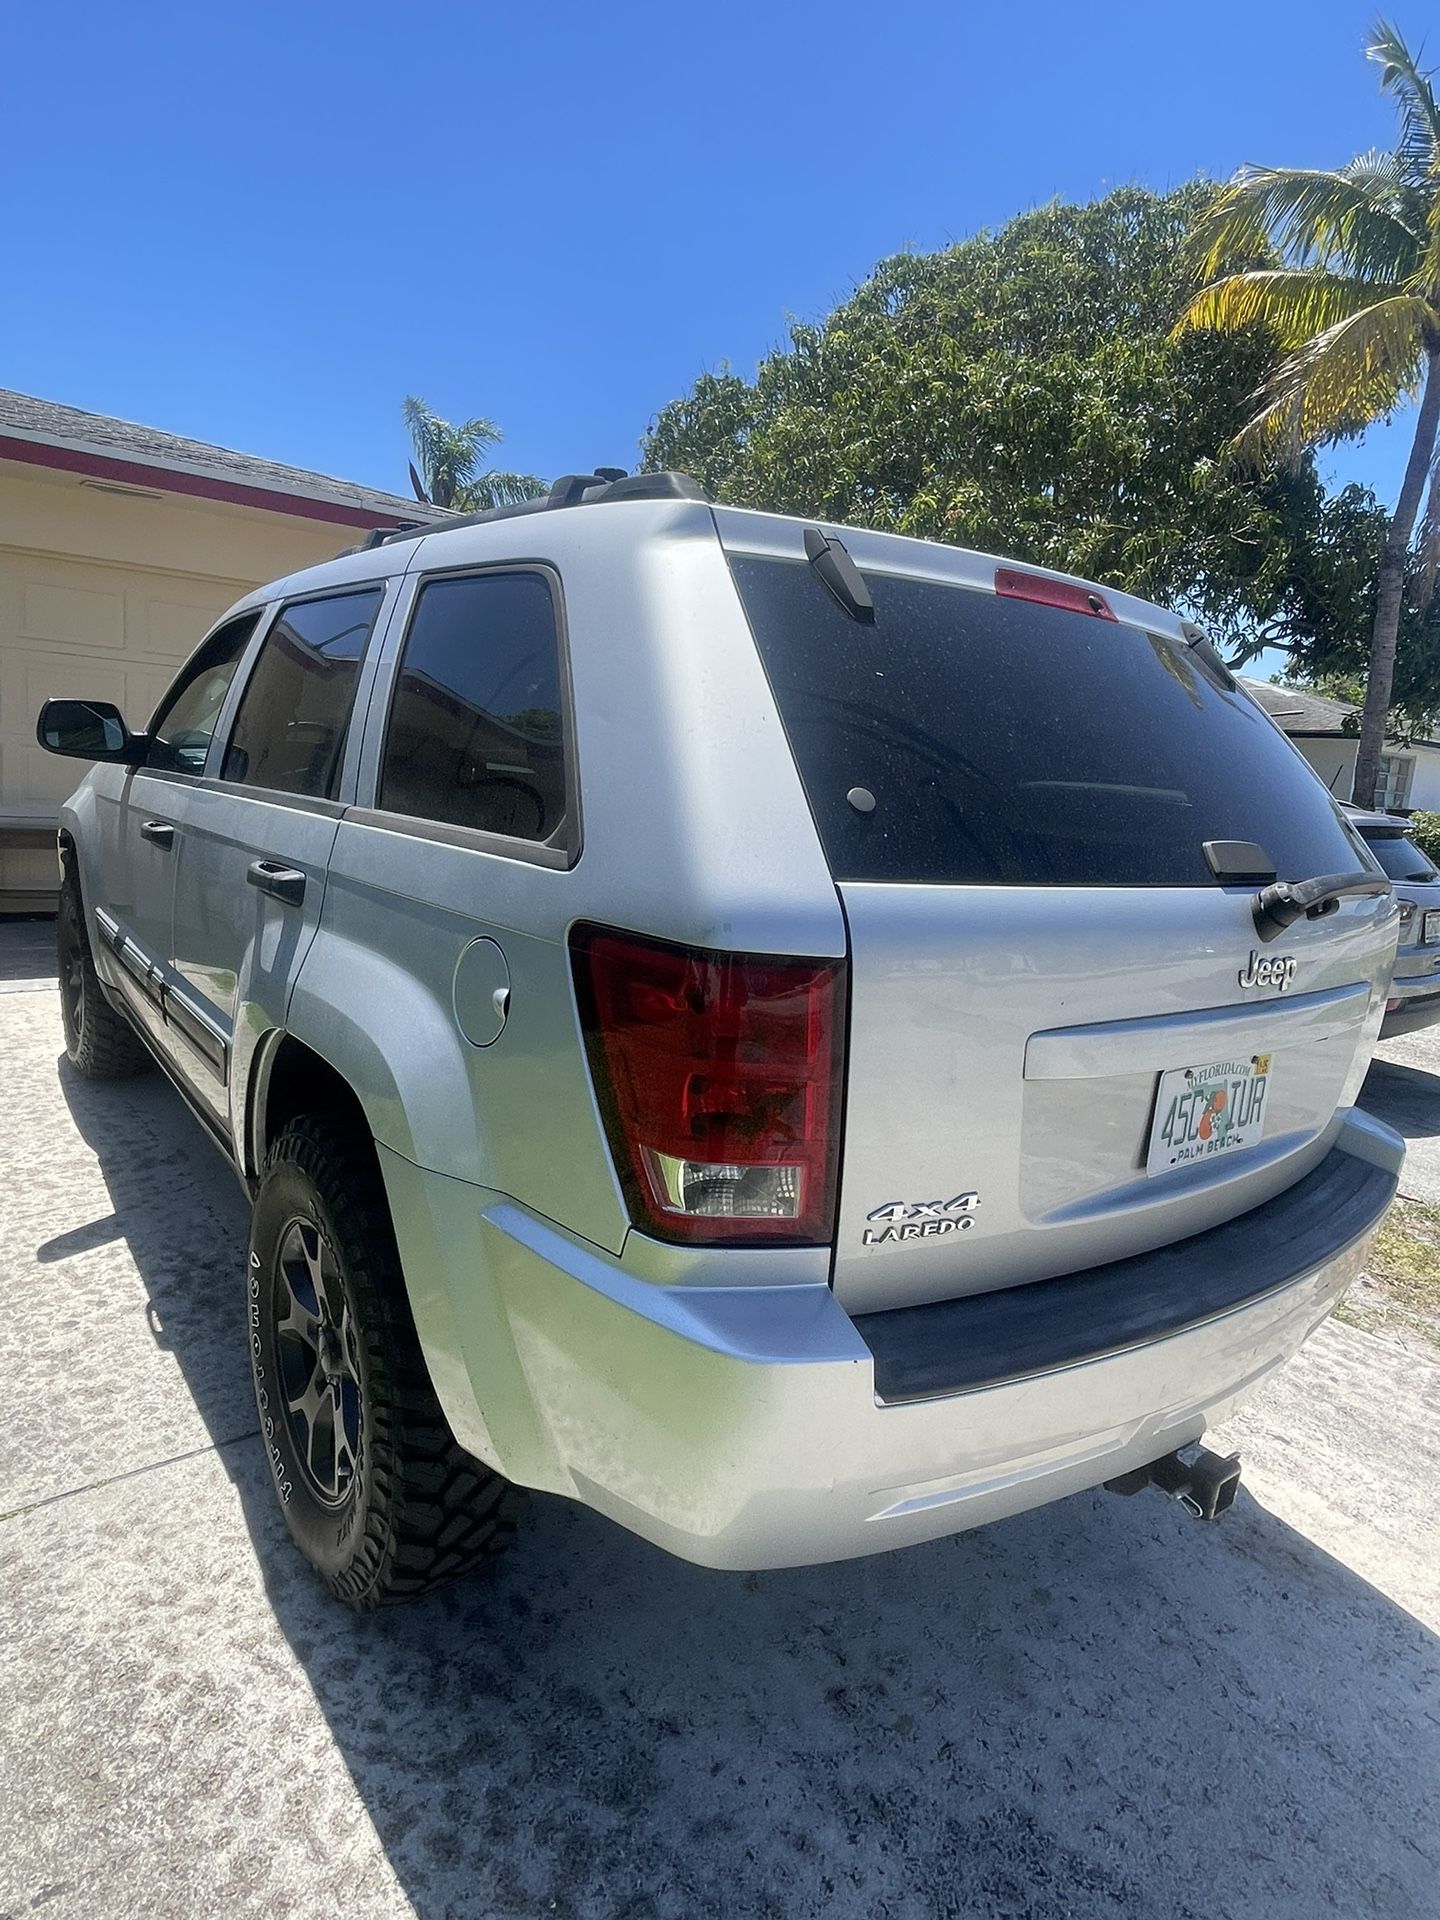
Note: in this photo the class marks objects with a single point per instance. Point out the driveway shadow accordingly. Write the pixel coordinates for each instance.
(1406, 1098)
(27, 947)
(1100, 1708)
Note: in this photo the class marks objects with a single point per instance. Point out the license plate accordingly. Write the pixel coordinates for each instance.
(1430, 929)
(1207, 1110)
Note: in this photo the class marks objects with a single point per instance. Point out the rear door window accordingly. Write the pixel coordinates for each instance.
(476, 735)
(1009, 743)
(289, 734)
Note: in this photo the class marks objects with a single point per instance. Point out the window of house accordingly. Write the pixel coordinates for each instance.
(289, 734)
(1397, 770)
(476, 737)
(184, 723)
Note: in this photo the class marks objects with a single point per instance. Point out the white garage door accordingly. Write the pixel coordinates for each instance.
(71, 627)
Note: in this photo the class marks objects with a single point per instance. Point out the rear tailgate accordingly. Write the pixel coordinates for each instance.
(1015, 800)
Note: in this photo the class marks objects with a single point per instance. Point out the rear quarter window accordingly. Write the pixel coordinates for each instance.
(1008, 743)
(476, 731)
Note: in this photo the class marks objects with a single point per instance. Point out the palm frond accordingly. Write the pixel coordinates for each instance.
(1358, 369)
(1295, 303)
(498, 489)
(1384, 179)
(1314, 218)
(480, 433)
(1402, 77)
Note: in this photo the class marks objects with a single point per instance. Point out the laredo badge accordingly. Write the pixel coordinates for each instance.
(919, 1219)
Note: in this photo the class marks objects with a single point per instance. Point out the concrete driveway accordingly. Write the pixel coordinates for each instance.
(1403, 1088)
(1099, 1709)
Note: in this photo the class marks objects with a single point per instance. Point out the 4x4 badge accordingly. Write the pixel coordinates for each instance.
(1269, 970)
(919, 1219)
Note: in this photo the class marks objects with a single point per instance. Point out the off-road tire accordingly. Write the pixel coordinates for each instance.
(417, 1511)
(99, 1042)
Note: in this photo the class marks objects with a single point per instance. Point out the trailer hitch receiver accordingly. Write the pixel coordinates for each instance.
(1204, 1483)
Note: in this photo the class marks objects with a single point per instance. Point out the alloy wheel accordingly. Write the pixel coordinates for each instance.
(318, 1362)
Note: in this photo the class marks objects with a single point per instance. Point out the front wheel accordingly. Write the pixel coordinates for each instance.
(375, 1492)
(100, 1042)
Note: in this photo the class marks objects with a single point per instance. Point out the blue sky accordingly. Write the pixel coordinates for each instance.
(263, 225)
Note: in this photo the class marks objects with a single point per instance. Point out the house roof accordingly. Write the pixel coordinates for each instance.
(1310, 716)
(45, 433)
(1299, 712)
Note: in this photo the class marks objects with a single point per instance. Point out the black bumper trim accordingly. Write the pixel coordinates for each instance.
(985, 1339)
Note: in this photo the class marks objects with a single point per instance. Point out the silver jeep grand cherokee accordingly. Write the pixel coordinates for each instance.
(803, 1040)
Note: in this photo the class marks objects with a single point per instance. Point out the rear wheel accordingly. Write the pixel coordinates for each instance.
(375, 1492)
(100, 1042)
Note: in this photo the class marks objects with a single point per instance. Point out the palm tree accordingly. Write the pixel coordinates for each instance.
(1355, 309)
(450, 472)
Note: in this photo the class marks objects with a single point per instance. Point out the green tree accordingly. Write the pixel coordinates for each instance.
(1021, 392)
(451, 471)
(1355, 310)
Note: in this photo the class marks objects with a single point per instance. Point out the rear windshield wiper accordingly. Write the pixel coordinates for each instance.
(1279, 906)
(841, 575)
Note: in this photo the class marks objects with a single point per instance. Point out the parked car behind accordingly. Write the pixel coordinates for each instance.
(1414, 997)
(802, 1039)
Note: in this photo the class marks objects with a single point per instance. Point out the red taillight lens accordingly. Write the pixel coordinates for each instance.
(719, 1078)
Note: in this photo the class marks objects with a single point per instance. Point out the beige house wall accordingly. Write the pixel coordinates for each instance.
(105, 593)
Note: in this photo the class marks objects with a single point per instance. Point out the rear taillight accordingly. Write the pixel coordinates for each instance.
(719, 1078)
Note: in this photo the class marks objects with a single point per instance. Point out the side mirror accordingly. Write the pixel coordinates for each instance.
(88, 730)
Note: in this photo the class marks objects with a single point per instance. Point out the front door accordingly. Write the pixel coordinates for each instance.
(251, 871)
(144, 815)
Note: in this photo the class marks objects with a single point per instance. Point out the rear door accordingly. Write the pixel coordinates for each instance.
(1015, 799)
(252, 865)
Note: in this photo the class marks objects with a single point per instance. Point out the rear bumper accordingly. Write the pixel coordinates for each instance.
(740, 1426)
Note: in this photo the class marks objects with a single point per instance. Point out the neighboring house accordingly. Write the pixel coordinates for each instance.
(1409, 776)
(119, 545)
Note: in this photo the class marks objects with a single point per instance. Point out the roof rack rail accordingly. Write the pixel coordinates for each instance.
(570, 490)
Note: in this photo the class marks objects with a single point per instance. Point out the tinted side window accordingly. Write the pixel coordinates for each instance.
(475, 734)
(1016, 744)
(289, 734)
(182, 729)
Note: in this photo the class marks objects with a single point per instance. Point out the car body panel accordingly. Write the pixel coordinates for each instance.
(986, 1018)
(741, 1428)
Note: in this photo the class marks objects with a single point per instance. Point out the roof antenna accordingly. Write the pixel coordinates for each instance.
(840, 574)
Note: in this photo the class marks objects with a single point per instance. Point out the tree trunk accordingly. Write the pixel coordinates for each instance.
(1390, 591)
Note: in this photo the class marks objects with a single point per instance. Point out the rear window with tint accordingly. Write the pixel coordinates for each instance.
(1016, 744)
(1400, 857)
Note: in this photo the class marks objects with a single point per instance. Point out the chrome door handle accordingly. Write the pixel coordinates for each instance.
(280, 882)
(159, 833)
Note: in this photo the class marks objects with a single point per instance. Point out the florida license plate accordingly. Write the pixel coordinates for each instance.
(1207, 1110)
